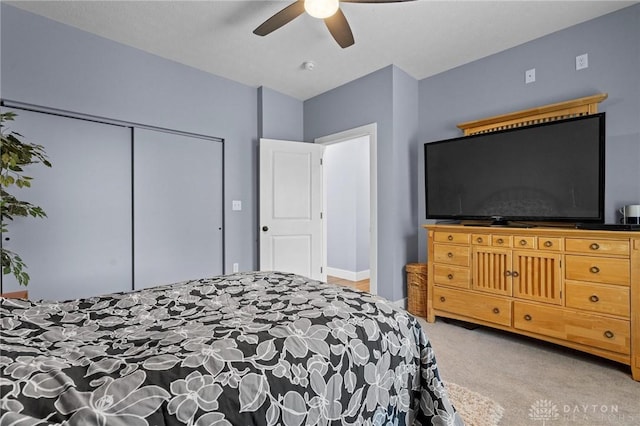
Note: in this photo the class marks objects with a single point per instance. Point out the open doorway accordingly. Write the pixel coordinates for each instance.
(350, 170)
(346, 166)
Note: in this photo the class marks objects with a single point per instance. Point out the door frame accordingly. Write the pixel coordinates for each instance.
(370, 130)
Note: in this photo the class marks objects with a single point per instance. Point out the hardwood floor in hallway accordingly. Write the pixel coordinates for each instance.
(360, 285)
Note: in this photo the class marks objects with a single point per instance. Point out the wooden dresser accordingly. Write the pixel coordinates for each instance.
(577, 288)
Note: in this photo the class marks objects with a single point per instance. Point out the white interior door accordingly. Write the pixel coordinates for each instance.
(178, 207)
(291, 194)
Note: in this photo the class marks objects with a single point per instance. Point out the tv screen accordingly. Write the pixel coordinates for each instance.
(545, 172)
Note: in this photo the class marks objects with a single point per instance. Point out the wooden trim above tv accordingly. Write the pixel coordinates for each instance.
(558, 111)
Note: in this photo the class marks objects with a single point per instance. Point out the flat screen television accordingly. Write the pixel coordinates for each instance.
(551, 172)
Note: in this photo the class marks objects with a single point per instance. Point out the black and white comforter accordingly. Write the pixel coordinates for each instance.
(244, 349)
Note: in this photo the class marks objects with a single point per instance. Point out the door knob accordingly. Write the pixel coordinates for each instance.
(265, 228)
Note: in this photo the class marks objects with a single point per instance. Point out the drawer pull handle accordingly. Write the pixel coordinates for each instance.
(507, 273)
(496, 310)
(523, 242)
(548, 244)
(500, 241)
(527, 317)
(415, 284)
(450, 276)
(594, 298)
(594, 269)
(479, 240)
(449, 255)
(450, 238)
(442, 298)
(594, 246)
(608, 334)
(515, 274)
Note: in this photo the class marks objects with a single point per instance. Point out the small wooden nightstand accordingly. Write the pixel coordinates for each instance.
(417, 289)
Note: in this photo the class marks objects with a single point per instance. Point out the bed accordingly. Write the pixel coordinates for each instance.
(259, 348)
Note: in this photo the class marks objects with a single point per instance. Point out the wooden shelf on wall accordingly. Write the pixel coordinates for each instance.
(551, 112)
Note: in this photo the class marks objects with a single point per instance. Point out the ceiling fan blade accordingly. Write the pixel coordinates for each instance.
(339, 29)
(281, 18)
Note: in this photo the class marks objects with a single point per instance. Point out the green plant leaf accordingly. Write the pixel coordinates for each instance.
(16, 155)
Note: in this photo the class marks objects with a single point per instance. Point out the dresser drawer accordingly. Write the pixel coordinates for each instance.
(480, 239)
(606, 299)
(501, 240)
(606, 270)
(524, 242)
(456, 276)
(597, 246)
(487, 308)
(586, 329)
(451, 237)
(452, 255)
(550, 243)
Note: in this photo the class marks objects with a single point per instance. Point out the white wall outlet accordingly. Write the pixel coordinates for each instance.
(235, 267)
(530, 76)
(236, 205)
(582, 61)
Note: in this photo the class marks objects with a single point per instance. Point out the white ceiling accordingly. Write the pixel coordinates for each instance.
(421, 37)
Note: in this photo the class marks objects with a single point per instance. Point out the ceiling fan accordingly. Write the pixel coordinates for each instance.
(329, 10)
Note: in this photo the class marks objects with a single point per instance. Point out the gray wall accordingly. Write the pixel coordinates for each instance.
(360, 102)
(279, 116)
(405, 141)
(495, 85)
(50, 64)
(385, 97)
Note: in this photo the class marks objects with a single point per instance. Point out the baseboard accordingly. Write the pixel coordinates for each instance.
(363, 275)
(348, 275)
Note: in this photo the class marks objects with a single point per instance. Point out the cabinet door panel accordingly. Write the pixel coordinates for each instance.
(536, 276)
(83, 247)
(492, 270)
(177, 208)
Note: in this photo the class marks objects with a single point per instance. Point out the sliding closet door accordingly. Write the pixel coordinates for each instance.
(178, 208)
(83, 247)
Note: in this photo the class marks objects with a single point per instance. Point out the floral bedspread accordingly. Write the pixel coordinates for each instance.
(261, 348)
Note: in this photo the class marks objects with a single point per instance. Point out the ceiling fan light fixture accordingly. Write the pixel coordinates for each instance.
(321, 9)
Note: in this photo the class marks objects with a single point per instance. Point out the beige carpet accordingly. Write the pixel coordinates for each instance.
(521, 373)
(475, 409)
